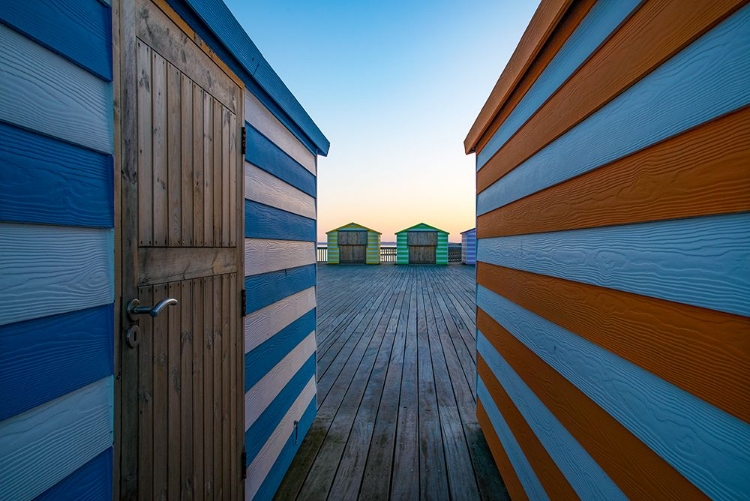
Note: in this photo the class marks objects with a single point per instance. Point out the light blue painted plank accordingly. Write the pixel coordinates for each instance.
(41, 447)
(46, 270)
(705, 444)
(268, 288)
(525, 472)
(700, 261)
(585, 475)
(46, 93)
(80, 30)
(91, 482)
(599, 23)
(263, 153)
(709, 78)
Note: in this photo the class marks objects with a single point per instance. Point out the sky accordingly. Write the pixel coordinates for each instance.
(395, 85)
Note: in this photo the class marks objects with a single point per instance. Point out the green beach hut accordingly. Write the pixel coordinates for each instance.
(353, 244)
(422, 244)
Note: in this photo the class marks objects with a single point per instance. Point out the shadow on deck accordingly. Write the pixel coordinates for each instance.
(396, 389)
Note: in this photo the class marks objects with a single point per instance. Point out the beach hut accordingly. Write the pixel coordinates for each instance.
(157, 186)
(469, 246)
(613, 191)
(422, 244)
(353, 244)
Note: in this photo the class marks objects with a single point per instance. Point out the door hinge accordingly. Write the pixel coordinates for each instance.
(243, 302)
(244, 141)
(243, 465)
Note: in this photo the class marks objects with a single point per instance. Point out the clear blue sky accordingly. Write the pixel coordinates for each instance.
(395, 86)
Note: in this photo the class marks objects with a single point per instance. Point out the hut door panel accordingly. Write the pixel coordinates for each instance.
(352, 247)
(182, 388)
(422, 254)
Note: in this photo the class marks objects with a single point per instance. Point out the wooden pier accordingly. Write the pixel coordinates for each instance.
(396, 389)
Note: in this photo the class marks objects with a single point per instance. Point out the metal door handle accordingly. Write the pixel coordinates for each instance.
(135, 308)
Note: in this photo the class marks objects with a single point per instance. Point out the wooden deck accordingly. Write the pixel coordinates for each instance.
(396, 389)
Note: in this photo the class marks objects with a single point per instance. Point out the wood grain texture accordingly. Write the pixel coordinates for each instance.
(34, 354)
(702, 351)
(697, 261)
(262, 324)
(260, 467)
(263, 256)
(46, 181)
(638, 401)
(267, 189)
(585, 475)
(655, 33)
(266, 222)
(174, 150)
(553, 480)
(41, 447)
(218, 168)
(540, 28)
(198, 165)
(263, 153)
(600, 22)
(701, 172)
(167, 264)
(267, 288)
(208, 168)
(526, 474)
(260, 396)
(156, 29)
(510, 477)
(188, 127)
(65, 101)
(46, 270)
(145, 145)
(160, 162)
(80, 31)
(262, 119)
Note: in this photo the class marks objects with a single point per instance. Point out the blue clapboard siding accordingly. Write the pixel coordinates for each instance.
(700, 261)
(469, 246)
(263, 221)
(268, 288)
(261, 429)
(677, 96)
(91, 482)
(41, 447)
(581, 470)
(525, 472)
(281, 465)
(51, 356)
(661, 415)
(599, 23)
(79, 30)
(47, 181)
(46, 93)
(263, 358)
(263, 153)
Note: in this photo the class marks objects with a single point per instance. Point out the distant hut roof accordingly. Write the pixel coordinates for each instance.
(353, 226)
(422, 227)
(468, 231)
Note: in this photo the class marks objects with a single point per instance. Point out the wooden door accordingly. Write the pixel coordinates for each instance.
(182, 389)
(352, 247)
(422, 254)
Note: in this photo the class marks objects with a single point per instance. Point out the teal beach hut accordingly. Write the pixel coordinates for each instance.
(422, 244)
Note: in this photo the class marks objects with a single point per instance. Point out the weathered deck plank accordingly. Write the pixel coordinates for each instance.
(396, 390)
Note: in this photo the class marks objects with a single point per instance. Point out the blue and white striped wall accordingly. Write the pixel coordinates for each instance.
(280, 260)
(56, 250)
(469, 246)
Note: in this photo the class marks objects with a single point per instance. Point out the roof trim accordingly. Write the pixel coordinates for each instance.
(221, 22)
(423, 224)
(355, 224)
(467, 231)
(540, 28)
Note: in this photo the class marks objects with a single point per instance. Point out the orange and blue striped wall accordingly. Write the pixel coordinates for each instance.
(56, 250)
(613, 253)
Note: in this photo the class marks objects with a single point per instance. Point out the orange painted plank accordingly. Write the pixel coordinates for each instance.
(632, 465)
(541, 26)
(701, 172)
(657, 31)
(510, 478)
(557, 39)
(552, 479)
(702, 351)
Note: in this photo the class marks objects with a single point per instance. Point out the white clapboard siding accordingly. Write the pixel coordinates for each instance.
(267, 189)
(46, 270)
(263, 256)
(259, 117)
(263, 462)
(258, 398)
(42, 446)
(266, 322)
(43, 92)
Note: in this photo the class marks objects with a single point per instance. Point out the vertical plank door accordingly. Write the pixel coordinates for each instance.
(181, 381)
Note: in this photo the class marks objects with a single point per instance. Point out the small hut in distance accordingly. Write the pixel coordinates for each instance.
(353, 244)
(469, 246)
(422, 244)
